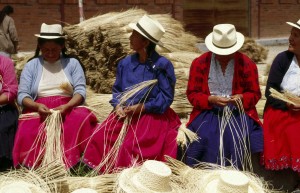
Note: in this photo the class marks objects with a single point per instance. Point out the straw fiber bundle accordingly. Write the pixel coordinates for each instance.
(254, 51)
(100, 42)
(101, 183)
(285, 96)
(47, 179)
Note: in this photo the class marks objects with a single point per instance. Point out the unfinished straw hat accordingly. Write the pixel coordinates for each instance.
(149, 28)
(152, 177)
(84, 190)
(20, 187)
(228, 181)
(296, 25)
(224, 39)
(53, 31)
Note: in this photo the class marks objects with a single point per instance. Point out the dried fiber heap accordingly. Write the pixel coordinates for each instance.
(100, 42)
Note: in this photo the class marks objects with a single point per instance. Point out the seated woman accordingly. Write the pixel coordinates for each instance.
(40, 90)
(222, 81)
(8, 111)
(151, 125)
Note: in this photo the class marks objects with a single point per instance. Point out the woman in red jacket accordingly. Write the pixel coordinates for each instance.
(224, 81)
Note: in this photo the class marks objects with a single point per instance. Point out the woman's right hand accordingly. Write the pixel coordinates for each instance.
(218, 100)
(120, 111)
(43, 109)
(293, 107)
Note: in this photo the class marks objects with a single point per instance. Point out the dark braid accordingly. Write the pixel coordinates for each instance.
(59, 41)
(150, 49)
(7, 10)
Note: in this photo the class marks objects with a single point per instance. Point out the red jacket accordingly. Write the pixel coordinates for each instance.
(245, 82)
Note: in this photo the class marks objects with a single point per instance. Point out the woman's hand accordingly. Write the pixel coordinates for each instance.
(42, 109)
(235, 98)
(218, 100)
(293, 107)
(62, 108)
(136, 109)
(120, 111)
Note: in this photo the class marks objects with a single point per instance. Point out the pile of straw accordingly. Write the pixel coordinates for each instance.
(100, 42)
(254, 51)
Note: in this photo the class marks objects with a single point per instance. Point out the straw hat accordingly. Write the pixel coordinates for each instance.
(152, 177)
(228, 181)
(296, 25)
(51, 31)
(224, 39)
(84, 190)
(149, 28)
(20, 187)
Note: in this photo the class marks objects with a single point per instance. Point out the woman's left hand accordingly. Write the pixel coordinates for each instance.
(136, 109)
(235, 98)
(62, 108)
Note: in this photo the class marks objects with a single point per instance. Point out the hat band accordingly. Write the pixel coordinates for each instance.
(50, 34)
(146, 33)
(226, 46)
(297, 24)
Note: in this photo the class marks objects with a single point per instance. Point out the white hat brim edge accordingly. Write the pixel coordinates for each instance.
(127, 176)
(224, 51)
(49, 37)
(211, 185)
(133, 26)
(294, 25)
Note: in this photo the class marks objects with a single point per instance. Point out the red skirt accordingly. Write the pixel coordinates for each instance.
(150, 136)
(78, 125)
(281, 139)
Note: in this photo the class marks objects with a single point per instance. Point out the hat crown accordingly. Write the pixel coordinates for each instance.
(224, 35)
(155, 175)
(233, 181)
(51, 29)
(149, 28)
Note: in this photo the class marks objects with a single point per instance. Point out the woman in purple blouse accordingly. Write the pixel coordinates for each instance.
(152, 125)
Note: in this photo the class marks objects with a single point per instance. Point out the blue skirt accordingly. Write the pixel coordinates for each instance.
(239, 133)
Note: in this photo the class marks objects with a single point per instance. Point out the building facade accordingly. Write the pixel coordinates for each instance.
(254, 18)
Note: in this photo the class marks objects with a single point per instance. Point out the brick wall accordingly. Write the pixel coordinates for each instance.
(268, 17)
(30, 14)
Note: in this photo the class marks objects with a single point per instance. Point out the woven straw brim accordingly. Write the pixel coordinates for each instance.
(208, 183)
(20, 187)
(125, 183)
(84, 190)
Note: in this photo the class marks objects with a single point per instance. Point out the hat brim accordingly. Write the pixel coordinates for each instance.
(133, 26)
(49, 37)
(210, 182)
(224, 51)
(293, 24)
(128, 183)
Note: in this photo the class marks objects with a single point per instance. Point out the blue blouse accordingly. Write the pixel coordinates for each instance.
(130, 72)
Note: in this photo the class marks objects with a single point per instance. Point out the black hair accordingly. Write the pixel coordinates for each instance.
(59, 41)
(7, 10)
(150, 49)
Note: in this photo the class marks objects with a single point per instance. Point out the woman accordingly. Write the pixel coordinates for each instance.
(224, 81)
(281, 134)
(8, 111)
(8, 32)
(41, 90)
(151, 123)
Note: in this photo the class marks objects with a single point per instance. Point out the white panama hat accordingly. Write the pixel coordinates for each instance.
(84, 190)
(224, 39)
(149, 28)
(152, 177)
(53, 31)
(229, 181)
(296, 25)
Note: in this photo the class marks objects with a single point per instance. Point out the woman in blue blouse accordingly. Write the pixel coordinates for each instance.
(151, 126)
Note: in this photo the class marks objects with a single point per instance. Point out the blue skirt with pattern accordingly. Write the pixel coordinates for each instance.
(241, 134)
